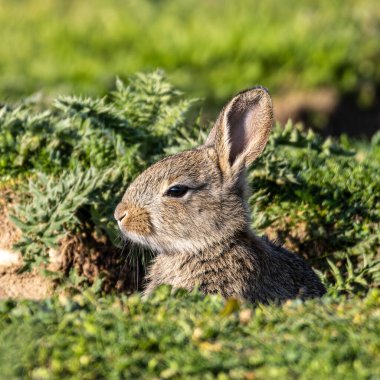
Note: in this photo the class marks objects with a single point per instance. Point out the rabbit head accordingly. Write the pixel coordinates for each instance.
(194, 199)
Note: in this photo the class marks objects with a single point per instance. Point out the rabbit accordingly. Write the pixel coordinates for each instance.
(190, 209)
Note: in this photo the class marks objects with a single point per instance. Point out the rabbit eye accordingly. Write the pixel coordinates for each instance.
(177, 191)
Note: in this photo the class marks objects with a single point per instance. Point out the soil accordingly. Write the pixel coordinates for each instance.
(24, 285)
(9, 233)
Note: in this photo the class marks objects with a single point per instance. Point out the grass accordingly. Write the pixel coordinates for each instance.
(189, 336)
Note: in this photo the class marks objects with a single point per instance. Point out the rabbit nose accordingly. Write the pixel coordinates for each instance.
(120, 212)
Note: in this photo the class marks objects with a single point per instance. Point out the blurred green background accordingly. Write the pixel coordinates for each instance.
(320, 59)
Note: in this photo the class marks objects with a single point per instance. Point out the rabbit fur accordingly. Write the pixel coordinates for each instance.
(202, 237)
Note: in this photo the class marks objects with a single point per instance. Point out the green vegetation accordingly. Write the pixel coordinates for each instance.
(210, 48)
(68, 165)
(189, 336)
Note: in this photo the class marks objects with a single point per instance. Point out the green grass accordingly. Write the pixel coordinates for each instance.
(68, 164)
(172, 336)
(210, 48)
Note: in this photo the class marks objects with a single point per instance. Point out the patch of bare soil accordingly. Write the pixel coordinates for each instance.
(9, 233)
(31, 285)
(94, 257)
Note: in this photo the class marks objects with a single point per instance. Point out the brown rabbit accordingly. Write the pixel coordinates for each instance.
(190, 208)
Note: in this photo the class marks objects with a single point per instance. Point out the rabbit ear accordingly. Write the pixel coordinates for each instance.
(242, 129)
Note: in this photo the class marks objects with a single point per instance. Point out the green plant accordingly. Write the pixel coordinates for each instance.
(55, 209)
(178, 335)
(129, 128)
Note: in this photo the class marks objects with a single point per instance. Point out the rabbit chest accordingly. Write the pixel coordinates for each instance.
(225, 272)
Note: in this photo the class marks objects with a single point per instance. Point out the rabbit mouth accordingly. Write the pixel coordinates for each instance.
(172, 246)
(133, 237)
(145, 240)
